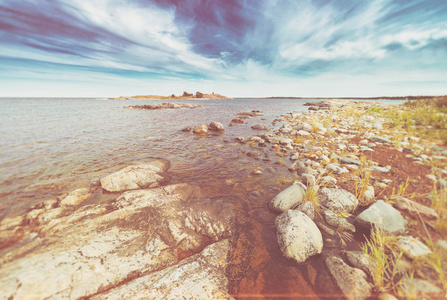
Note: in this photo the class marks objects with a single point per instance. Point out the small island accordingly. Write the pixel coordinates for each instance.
(184, 96)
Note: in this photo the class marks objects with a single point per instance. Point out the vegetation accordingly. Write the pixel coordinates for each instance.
(385, 255)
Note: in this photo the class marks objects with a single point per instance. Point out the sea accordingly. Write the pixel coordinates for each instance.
(51, 146)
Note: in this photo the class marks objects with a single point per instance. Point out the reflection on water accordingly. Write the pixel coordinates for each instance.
(51, 146)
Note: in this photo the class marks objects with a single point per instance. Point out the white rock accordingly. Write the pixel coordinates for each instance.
(288, 198)
(412, 247)
(337, 200)
(384, 216)
(135, 177)
(298, 236)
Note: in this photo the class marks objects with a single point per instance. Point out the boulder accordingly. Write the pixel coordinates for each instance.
(298, 236)
(352, 281)
(135, 177)
(384, 216)
(288, 198)
(216, 126)
(200, 129)
(337, 200)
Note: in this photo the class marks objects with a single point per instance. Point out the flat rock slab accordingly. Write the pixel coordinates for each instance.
(384, 216)
(352, 281)
(134, 177)
(99, 247)
(337, 200)
(414, 208)
(201, 276)
(298, 236)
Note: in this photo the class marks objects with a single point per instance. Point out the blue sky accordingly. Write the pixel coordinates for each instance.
(239, 48)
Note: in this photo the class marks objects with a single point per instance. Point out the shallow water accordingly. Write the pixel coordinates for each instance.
(52, 146)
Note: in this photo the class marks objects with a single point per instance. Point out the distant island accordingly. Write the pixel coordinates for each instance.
(184, 96)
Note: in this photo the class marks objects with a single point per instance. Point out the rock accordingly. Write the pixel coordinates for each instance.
(76, 197)
(187, 129)
(380, 139)
(99, 247)
(337, 200)
(416, 288)
(345, 160)
(8, 223)
(201, 276)
(368, 195)
(361, 260)
(285, 142)
(442, 244)
(307, 208)
(328, 181)
(304, 127)
(386, 296)
(135, 177)
(216, 126)
(240, 140)
(259, 127)
(412, 247)
(200, 129)
(10, 237)
(304, 170)
(413, 208)
(308, 179)
(352, 281)
(238, 120)
(288, 198)
(303, 133)
(442, 184)
(333, 168)
(384, 216)
(332, 219)
(298, 236)
(379, 169)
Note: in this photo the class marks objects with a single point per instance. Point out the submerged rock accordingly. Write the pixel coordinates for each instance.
(298, 236)
(135, 177)
(216, 126)
(259, 127)
(201, 129)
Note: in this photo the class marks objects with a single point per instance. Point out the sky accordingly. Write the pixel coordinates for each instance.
(238, 48)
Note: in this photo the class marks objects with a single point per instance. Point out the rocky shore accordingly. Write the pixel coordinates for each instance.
(367, 198)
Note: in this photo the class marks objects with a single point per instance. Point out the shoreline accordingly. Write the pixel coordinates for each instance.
(339, 140)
